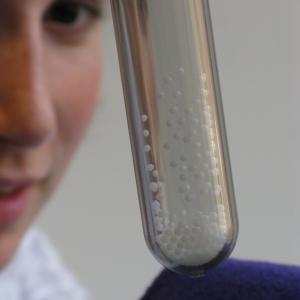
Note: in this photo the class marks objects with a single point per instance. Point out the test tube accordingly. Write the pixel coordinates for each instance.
(177, 131)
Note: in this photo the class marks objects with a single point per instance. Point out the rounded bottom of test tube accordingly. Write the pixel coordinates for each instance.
(192, 242)
(200, 270)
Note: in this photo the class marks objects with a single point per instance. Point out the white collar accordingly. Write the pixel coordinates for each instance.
(37, 272)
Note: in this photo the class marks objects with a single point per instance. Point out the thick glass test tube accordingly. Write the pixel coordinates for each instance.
(176, 125)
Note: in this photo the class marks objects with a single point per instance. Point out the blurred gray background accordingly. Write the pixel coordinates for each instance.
(94, 218)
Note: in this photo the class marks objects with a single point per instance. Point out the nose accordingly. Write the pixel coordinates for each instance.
(27, 116)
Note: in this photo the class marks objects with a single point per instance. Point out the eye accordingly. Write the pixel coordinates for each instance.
(71, 14)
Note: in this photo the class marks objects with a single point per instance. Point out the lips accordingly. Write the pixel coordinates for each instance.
(10, 187)
(14, 196)
(7, 189)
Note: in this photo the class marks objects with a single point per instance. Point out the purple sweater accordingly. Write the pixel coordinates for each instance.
(232, 280)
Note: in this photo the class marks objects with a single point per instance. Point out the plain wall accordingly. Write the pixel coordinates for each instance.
(94, 218)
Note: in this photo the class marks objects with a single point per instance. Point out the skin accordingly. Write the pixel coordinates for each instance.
(49, 86)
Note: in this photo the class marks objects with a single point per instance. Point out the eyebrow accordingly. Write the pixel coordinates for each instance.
(98, 2)
(101, 4)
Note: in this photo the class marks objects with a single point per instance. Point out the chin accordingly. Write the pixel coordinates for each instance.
(11, 234)
(9, 242)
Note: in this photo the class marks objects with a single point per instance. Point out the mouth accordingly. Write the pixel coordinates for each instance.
(14, 197)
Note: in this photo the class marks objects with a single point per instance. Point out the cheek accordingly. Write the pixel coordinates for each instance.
(80, 96)
(76, 92)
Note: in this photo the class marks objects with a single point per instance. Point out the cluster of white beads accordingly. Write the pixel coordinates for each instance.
(189, 140)
(190, 241)
(188, 237)
(155, 184)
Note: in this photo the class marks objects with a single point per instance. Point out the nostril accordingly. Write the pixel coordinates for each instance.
(25, 130)
(23, 139)
(26, 122)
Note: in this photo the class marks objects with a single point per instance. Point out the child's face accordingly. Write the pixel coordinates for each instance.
(49, 84)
